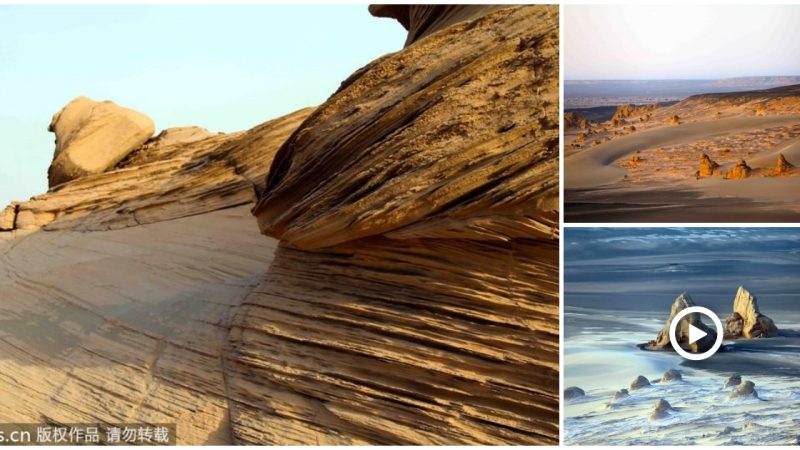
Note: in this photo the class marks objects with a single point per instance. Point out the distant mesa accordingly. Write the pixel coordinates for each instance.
(639, 383)
(573, 392)
(732, 381)
(745, 389)
(708, 167)
(91, 137)
(661, 410)
(739, 172)
(671, 375)
(746, 321)
(662, 341)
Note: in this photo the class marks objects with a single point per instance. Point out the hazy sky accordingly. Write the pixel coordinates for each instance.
(605, 42)
(224, 68)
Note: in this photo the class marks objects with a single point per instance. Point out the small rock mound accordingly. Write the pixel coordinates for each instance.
(739, 172)
(708, 167)
(91, 137)
(744, 390)
(639, 383)
(732, 381)
(661, 410)
(674, 120)
(782, 167)
(671, 375)
(621, 394)
(662, 341)
(746, 321)
(573, 392)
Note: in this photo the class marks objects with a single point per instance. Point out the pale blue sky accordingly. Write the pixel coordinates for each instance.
(629, 42)
(225, 68)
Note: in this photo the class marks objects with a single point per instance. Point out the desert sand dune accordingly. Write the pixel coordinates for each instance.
(592, 167)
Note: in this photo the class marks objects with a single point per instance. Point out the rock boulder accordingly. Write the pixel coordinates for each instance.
(661, 410)
(746, 321)
(91, 137)
(708, 167)
(744, 390)
(739, 172)
(573, 392)
(662, 341)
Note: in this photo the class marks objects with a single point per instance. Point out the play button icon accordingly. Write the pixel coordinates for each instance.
(695, 334)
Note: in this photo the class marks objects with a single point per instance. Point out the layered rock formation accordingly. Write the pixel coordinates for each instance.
(746, 321)
(92, 137)
(662, 341)
(417, 213)
(413, 298)
(423, 20)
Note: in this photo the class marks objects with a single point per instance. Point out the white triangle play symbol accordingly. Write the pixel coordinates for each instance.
(695, 334)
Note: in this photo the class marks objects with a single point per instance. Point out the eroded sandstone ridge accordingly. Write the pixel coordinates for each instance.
(413, 298)
(746, 321)
(414, 295)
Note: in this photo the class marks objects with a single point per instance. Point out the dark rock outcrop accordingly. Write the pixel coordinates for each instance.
(671, 375)
(639, 383)
(423, 20)
(732, 381)
(573, 392)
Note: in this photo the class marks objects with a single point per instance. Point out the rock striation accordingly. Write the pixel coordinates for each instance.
(91, 137)
(417, 211)
(412, 298)
(662, 341)
(746, 321)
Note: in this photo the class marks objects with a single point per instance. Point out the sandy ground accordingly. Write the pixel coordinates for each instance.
(126, 325)
(594, 190)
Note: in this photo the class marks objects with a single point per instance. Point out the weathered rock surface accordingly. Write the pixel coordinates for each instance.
(746, 321)
(91, 137)
(671, 375)
(573, 392)
(417, 213)
(739, 172)
(8, 217)
(639, 382)
(744, 390)
(662, 341)
(423, 20)
(661, 410)
(708, 167)
(167, 178)
(732, 381)
(413, 298)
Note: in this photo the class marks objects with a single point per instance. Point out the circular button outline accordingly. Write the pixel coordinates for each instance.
(674, 325)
